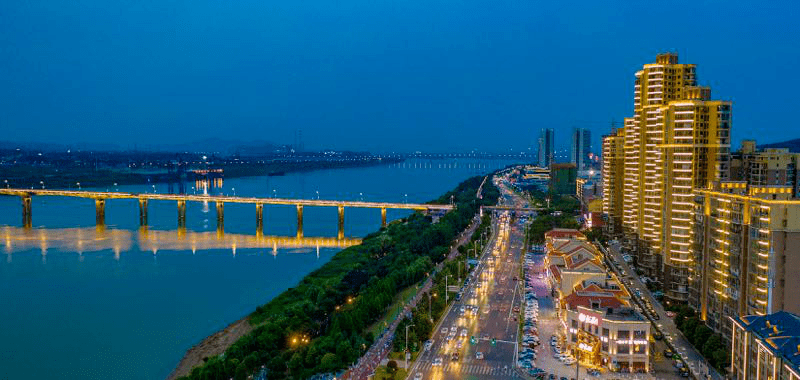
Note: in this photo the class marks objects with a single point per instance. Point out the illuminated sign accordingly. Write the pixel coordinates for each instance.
(585, 347)
(590, 319)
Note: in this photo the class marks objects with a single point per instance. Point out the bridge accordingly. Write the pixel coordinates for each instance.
(100, 198)
(92, 239)
(516, 210)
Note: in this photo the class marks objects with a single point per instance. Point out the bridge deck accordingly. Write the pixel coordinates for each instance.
(223, 199)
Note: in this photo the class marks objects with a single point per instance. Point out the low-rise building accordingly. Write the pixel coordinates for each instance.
(604, 331)
(765, 347)
(600, 327)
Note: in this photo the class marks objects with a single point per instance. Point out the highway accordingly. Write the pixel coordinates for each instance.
(492, 288)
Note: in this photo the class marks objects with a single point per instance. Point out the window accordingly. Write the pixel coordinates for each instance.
(623, 334)
(623, 349)
(605, 332)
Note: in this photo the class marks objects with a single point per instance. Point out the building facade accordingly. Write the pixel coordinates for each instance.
(745, 249)
(677, 140)
(771, 166)
(581, 147)
(765, 347)
(546, 147)
(613, 174)
(563, 178)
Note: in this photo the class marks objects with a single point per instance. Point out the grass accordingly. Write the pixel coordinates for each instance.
(382, 373)
(392, 311)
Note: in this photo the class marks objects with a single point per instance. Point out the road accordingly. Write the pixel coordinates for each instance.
(680, 344)
(493, 289)
(366, 365)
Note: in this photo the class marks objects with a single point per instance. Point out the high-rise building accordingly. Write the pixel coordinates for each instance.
(581, 147)
(772, 166)
(613, 175)
(746, 246)
(676, 141)
(563, 178)
(546, 147)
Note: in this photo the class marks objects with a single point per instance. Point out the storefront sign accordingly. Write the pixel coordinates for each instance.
(590, 319)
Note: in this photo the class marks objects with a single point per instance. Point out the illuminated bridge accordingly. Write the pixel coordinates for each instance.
(101, 197)
(92, 239)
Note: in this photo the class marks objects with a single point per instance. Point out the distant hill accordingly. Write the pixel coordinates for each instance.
(793, 145)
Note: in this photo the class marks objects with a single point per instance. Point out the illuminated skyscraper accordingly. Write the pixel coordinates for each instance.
(581, 147)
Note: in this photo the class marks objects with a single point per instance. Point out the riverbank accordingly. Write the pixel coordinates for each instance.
(211, 346)
(53, 176)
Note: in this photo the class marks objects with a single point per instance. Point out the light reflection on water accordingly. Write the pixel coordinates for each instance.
(98, 239)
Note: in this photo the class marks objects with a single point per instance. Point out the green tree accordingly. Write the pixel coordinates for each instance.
(391, 366)
(329, 361)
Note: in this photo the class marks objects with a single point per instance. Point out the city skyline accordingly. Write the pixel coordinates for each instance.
(205, 71)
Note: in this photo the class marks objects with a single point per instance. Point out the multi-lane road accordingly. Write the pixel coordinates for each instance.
(484, 344)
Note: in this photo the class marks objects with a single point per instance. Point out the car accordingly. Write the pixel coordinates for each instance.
(454, 357)
(463, 333)
(459, 344)
(428, 344)
(418, 376)
(453, 329)
(437, 361)
(668, 353)
(479, 355)
(444, 330)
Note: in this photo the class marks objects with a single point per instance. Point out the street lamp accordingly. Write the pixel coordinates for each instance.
(79, 185)
(430, 316)
(406, 352)
(446, 292)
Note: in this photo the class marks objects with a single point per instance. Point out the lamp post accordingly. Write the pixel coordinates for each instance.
(446, 292)
(406, 352)
(430, 316)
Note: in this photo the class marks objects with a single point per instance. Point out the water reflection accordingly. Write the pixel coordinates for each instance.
(92, 239)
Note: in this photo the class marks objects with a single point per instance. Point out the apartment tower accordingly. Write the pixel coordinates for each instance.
(677, 140)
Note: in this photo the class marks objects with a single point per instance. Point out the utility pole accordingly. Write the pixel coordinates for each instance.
(406, 353)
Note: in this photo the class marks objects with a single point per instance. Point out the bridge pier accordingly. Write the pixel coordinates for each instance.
(142, 212)
(100, 211)
(383, 217)
(220, 217)
(299, 221)
(27, 212)
(259, 218)
(341, 222)
(181, 214)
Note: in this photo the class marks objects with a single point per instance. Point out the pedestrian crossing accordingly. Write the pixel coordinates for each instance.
(471, 369)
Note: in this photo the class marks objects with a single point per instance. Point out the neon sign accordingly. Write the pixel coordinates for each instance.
(590, 319)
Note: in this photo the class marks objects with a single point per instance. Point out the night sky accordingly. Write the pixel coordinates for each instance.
(378, 75)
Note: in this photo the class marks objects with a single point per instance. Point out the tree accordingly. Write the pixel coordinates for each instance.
(392, 366)
(329, 361)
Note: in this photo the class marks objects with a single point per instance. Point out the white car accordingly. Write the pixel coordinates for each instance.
(437, 361)
(479, 355)
(418, 376)
(463, 333)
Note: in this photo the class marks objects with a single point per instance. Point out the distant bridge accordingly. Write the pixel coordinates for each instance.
(516, 210)
(100, 198)
(93, 239)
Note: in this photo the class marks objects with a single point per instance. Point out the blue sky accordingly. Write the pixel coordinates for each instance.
(377, 75)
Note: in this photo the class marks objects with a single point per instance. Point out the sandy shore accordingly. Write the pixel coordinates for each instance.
(211, 346)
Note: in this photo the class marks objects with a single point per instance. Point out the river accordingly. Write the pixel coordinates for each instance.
(125, 303)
